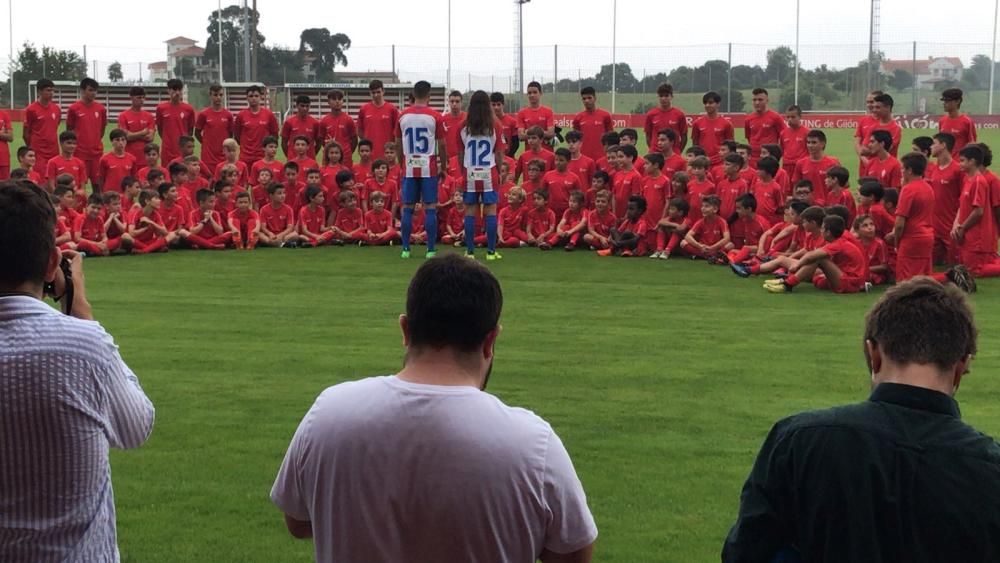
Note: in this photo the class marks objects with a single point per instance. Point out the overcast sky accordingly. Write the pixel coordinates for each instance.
(483, 31)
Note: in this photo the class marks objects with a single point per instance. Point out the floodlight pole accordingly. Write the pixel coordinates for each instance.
(993, 56)
(449, 45)
(10, 34)
(797, 2)
(218, 39)
(614, 49)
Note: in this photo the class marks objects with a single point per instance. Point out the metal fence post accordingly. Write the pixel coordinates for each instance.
(729, 79)
(913, 86)
(555, 75)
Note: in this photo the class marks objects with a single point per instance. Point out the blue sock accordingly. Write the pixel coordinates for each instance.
(406, 227)
(470, 233)
(431, 227)
(491, 233)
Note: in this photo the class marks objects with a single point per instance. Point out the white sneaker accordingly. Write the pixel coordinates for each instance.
(655, 255)
(664, 255)
(522, 244)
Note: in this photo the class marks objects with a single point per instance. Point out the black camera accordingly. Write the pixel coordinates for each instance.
(67, 297)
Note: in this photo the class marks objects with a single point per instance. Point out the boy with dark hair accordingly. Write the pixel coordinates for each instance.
(768, 193)
(89, 233)
(212, 126)
(581, 165)
(875, 249)
(533, 180)
(146, 227)
(560, 182)
(151, 154)
(138, 124)
(378, 119)
(349, 226)
(206, 230)
(312, 218)
(26, 160)
(541, 221)
(88, 118)
(534, 151)
(882, 165)
(300, 125)
(709, 235)
(802, 233)
(293, 187)
(277, 220)
(783, 177)
(252, 125)
(746, 230)
(453, 119)
(655, 190)
(508, 125)
(946, 178)
(302, 155)
(379, 182)
(839, 193)
(922, 145)
(244, 222)
(270, 151)
(913, 233)
(881, 120)
(536, 115)
(762, 125)
(6, 137)
(666, 117)
(174, 215)
(629, 137)
(871, 194)
(66, 162)
(339, 127)
(629, 238)
(379, 222)
(842, 268)
(41, 125)
(814, 166)
(710, 130)
(671, 228)
(698, 186)
(592, 122)
(174, 118)
(955, 123)
(673, 162)
(627, 182)
(792, 139)
(116, 165)
(423, 131)
(731, 186)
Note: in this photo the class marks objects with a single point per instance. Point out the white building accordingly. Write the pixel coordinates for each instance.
(929, 71)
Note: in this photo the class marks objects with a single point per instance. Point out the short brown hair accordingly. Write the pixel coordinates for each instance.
(921, 321)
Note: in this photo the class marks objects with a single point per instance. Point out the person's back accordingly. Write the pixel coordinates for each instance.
(409, 461)
(424, 466)
(896, 478)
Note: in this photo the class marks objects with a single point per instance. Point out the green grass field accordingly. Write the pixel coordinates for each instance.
(661, 378)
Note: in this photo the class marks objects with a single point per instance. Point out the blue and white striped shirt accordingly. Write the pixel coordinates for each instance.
(66, 396)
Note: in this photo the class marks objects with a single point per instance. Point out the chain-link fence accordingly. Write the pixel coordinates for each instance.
(831, 78)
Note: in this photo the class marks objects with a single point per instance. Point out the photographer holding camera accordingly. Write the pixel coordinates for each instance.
(66, 396)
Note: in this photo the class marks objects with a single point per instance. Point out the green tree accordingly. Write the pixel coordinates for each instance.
(326, 49)
(624, 79)
(115, 72)
(979, 72)
(780, 64)
(825, 92)
(737, 105)
(788, 98)
(55, 64)
(279, 65)
(232, 40)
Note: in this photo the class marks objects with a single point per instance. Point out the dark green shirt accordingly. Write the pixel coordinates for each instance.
(898, 478)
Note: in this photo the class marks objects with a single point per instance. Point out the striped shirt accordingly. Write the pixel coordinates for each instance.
(65, 397)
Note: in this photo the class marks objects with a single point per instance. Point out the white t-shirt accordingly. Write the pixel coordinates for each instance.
(388, 470)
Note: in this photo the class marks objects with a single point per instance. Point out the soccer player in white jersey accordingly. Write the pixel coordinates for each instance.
(478, 154)
(420, 135)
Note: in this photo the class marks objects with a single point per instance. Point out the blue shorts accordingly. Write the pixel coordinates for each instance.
(486, 198)
(424, 190)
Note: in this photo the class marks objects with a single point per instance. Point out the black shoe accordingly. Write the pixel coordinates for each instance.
(740, 270)
(337, 242)
(962, 277)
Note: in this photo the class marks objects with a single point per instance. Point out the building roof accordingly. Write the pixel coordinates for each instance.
(159, 65)
(180, 40)
(922, 66)
(192, 51)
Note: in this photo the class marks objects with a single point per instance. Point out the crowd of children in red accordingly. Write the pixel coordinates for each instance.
(775, 205)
